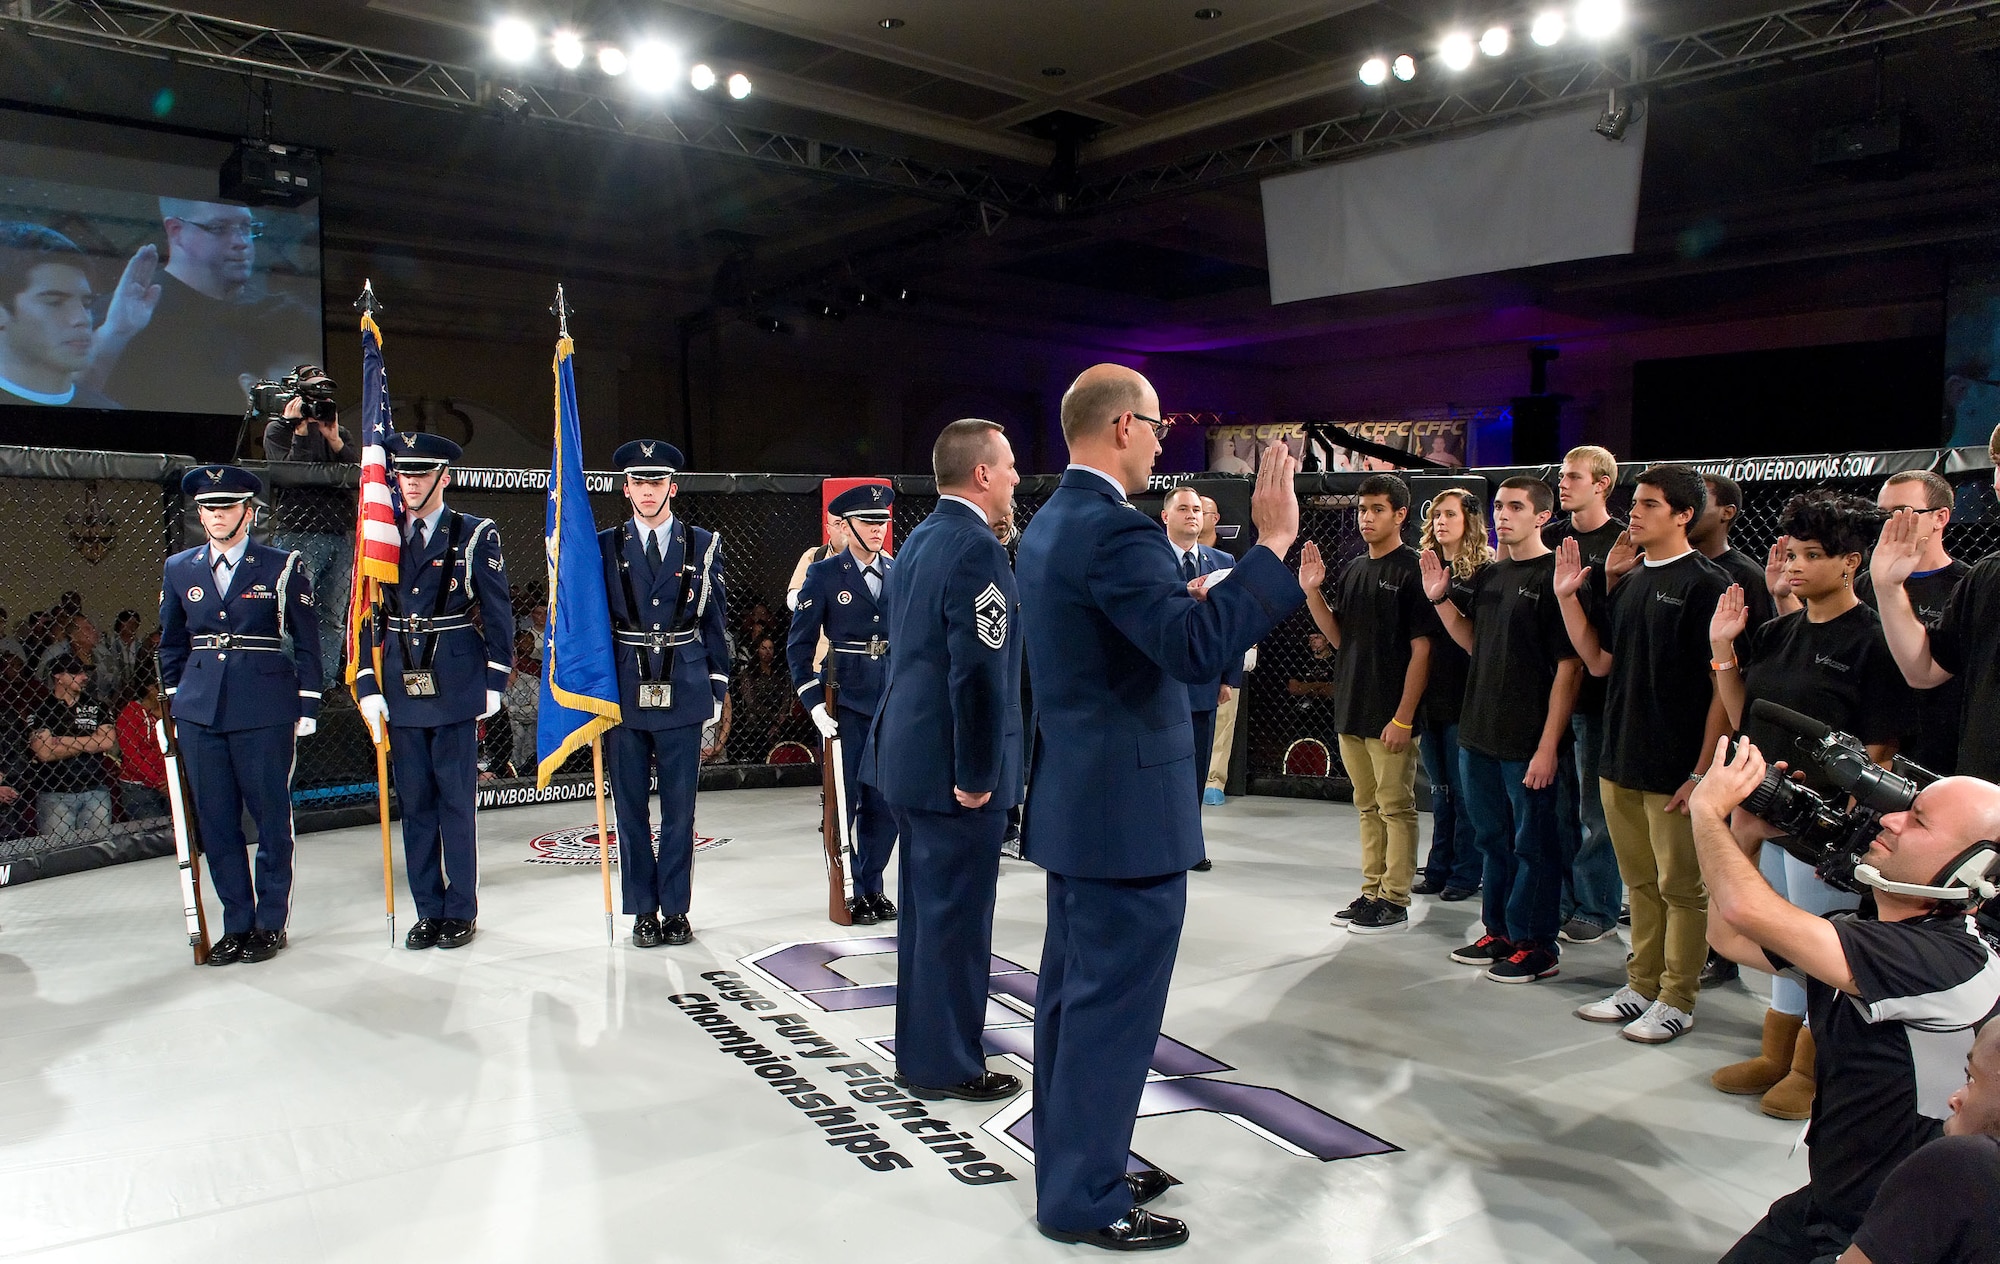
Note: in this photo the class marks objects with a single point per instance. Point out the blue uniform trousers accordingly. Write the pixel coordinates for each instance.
(1107, 958)
(662, 883)
(873, 823)
(1521, 888)
(1204, 749)
(228, 771)
(944, 941)
(437, 783)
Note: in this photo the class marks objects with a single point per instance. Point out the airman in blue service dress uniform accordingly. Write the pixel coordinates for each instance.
(239, 660)
(1196, 559)
(1113, 639)
(842, 595)
(945, 752)
(442, 672)
(663, 578)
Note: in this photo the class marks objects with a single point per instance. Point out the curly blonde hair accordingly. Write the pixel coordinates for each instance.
(1473, 550)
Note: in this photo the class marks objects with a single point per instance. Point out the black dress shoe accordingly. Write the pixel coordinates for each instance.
(861, 909)
(885, 908)
(1718, 970)
(990, 1087)
(423, 935)
(1136, 1230)
(646, 931)
(1203, 865)
(1146, 1186)
(454, 932)
(1452, 895)
(675, 931)
(1427, 885)
(262, 945)
(228, 950)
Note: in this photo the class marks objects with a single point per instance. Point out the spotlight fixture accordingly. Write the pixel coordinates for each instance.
(1456, 50)
(1207, 15)
(514, 40)
(700, 77)
(512, 102)
(827, 311)
(1599, 19)
(1548, 28)
(1404, 67)
(653, 67)
(1374, 71)
(1616, 118)
(611, 60)
(739, 86)
(772, 325)
(1494, 42)
(567, 48)
(890, 24)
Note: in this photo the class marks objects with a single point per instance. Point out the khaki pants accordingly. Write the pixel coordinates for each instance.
(1225, 736)
(1385, 790)
(1663, 882)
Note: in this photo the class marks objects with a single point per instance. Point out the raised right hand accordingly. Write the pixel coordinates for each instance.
(1437, 580)
(1775, 579)
(135, 298)
(1899, 549)
(1274, 503)
(1570, 570)
(1730, 620)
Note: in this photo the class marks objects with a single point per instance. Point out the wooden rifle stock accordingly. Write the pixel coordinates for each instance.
(833, 820)
(187, 836)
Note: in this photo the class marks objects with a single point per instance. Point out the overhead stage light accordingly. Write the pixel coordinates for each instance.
(514, 40)
(1456, 50)
(654, 67)
(739, 85)
(1494, 42)
(1598, 19)
(1548, 28)
(1404, 67)
(567, 48)
(700, 77)
(1374, 71)
(611, 60)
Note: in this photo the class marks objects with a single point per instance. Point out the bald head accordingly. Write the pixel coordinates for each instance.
(1100, 395)
(1950, 816)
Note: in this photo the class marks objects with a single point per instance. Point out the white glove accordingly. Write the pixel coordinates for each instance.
(828, 727)
(492, 705)
(375, 714)
(1250, 659)
(717, 717)
(305, 727)
(160, 734)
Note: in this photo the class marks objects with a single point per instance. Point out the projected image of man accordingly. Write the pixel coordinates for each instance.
(45, 319)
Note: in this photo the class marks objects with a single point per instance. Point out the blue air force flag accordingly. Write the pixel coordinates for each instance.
(579, 674)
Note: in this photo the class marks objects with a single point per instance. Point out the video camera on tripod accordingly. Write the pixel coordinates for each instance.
(1831, 838)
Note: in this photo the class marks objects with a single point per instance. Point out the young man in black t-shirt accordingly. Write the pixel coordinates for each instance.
(1382, 628)
(1660, 708)
(1895, 993)
(1591, 889)
(68, 737)
(1710, 536)
(1519, 691)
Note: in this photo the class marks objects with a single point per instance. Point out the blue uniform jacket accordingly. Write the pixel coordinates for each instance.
(1112, 640)
(834, 597)
(698, 666)
(1207, 695)
(950, 714)
(467, 663)
(269, 595)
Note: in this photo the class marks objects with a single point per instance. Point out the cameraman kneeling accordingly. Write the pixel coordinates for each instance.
(1893, 998)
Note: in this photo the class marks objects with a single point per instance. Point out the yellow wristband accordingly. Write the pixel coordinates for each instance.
(1398, 723)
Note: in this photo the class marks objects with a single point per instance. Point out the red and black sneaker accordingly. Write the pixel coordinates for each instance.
(1527, 964)
(1484, 951)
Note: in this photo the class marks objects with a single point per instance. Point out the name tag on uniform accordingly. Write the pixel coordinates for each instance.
(656, 697)
(420, 684)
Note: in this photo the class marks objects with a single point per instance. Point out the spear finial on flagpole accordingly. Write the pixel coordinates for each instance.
(561, 312)
(368, 302)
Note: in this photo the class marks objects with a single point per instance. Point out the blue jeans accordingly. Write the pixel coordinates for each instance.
(327, 560)
(1591, 890)
(1516, 828)
(1455, 859)
(1795, 880)
(77, 814)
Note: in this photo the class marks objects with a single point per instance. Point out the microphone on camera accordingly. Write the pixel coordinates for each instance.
(1786, 718)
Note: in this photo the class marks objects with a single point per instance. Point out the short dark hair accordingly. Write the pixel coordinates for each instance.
(1836, 521)
(123, 616)
(961, 448)
(1937, 492)
(1680, 484)
(1540, 494)
(1388, 485)
(1724, 490)
(25, 247)
(67, 664)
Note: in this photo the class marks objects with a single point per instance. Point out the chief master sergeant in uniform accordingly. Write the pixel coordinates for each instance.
(945, 751)
(239, 660)
(1113, 639)
(843, 596)
(663, 579)
(441, 674)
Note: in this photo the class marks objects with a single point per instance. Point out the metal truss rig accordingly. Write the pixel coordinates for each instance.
(245, 48)
(1736, 47)
(1793, 33)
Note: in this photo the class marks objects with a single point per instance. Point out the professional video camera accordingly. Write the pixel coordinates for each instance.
(1832, 838)
(307, 382)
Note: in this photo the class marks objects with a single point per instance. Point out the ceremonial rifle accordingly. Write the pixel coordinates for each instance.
(834, 830)
(187, 840)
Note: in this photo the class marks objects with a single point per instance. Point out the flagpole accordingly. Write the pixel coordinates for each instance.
(603, 846)
(369, 305)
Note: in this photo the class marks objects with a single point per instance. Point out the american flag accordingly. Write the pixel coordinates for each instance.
(377, 538)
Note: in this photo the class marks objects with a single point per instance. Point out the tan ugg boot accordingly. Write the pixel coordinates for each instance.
(1773, 1061)
(1792, 1098)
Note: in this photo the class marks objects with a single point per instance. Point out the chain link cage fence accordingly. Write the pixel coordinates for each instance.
(82, 784)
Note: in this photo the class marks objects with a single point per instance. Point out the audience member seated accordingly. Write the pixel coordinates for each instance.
(763, 702)
(69, 736)
(142, 769)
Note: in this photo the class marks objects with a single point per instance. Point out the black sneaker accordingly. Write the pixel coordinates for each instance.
(1452, 895)
(1525, 966)
(1625, 915)
(1354, 910)
(1379, 918)
(1718, 970)
(1578, 931)
(1483, 951)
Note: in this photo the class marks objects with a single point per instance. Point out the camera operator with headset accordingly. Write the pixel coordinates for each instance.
(317, 522)
(1895, 991)
(309, 428)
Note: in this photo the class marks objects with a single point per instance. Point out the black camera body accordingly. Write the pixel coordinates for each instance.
(1823, 833)
(307, 383)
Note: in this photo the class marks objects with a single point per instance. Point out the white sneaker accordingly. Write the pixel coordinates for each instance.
(1621, 1006)
(1659, 1024)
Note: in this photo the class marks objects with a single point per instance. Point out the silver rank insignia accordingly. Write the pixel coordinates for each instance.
(989, 609)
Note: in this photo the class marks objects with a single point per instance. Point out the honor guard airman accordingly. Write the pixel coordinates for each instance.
(843, 596)
(442, 672)
(239, 660)
(663, 579)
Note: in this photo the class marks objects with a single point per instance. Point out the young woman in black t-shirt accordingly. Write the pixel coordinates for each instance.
(1454, 529)
(1828, 660)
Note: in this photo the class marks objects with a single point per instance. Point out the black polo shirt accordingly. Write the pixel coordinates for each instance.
(1518, 640)
(1656, 698)
(1839, 672)
(1382, 608)
(1930, 737)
